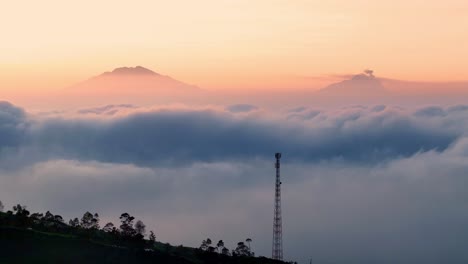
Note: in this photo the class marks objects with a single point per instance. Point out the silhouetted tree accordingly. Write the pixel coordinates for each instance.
(203, 245)
(74, 222)
(96, 221)
(51, 220)
(241, 250)
(20, 210)
(249, 240)
(211, 249)
(21, 215)
(90, 221)
(127, 225)
(86, 220)
(152, 237)
(220, 245)
(49, 216)
(225, 251)
(37, 216)
(1, 206)
(58, 218)
(206, 245)
(140, 228)
(108, 228)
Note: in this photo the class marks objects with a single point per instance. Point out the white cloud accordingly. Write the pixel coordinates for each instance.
(361, 185)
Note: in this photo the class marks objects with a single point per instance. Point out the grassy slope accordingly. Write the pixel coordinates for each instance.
(28, 246)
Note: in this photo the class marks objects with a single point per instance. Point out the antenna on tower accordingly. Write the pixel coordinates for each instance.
(277, 251)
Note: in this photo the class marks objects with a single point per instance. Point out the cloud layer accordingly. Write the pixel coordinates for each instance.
(172, 136)
(362, 184)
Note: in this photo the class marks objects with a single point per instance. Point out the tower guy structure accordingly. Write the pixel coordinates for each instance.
(277, 251)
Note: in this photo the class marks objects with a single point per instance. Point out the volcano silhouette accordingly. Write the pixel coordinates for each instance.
(364, 84)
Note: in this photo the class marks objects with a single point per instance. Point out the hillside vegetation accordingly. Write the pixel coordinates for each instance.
(46, 238)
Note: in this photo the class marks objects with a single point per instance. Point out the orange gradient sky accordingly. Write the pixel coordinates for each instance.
(219, 44)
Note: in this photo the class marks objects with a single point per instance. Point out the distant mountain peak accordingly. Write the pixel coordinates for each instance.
(138, 70)
(366, 75)
(133, 81)
(363, 84)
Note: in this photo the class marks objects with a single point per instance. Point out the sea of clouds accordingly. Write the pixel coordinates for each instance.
(361, 184)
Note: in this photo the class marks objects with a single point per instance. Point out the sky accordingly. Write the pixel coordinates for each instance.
(374, 163)
(258, 44)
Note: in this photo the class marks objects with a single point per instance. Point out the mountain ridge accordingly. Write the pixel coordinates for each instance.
(132, 80)
(363, 84)
(137, 70)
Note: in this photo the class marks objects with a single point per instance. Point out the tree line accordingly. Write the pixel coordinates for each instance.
(129, 232)
(241, 250)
